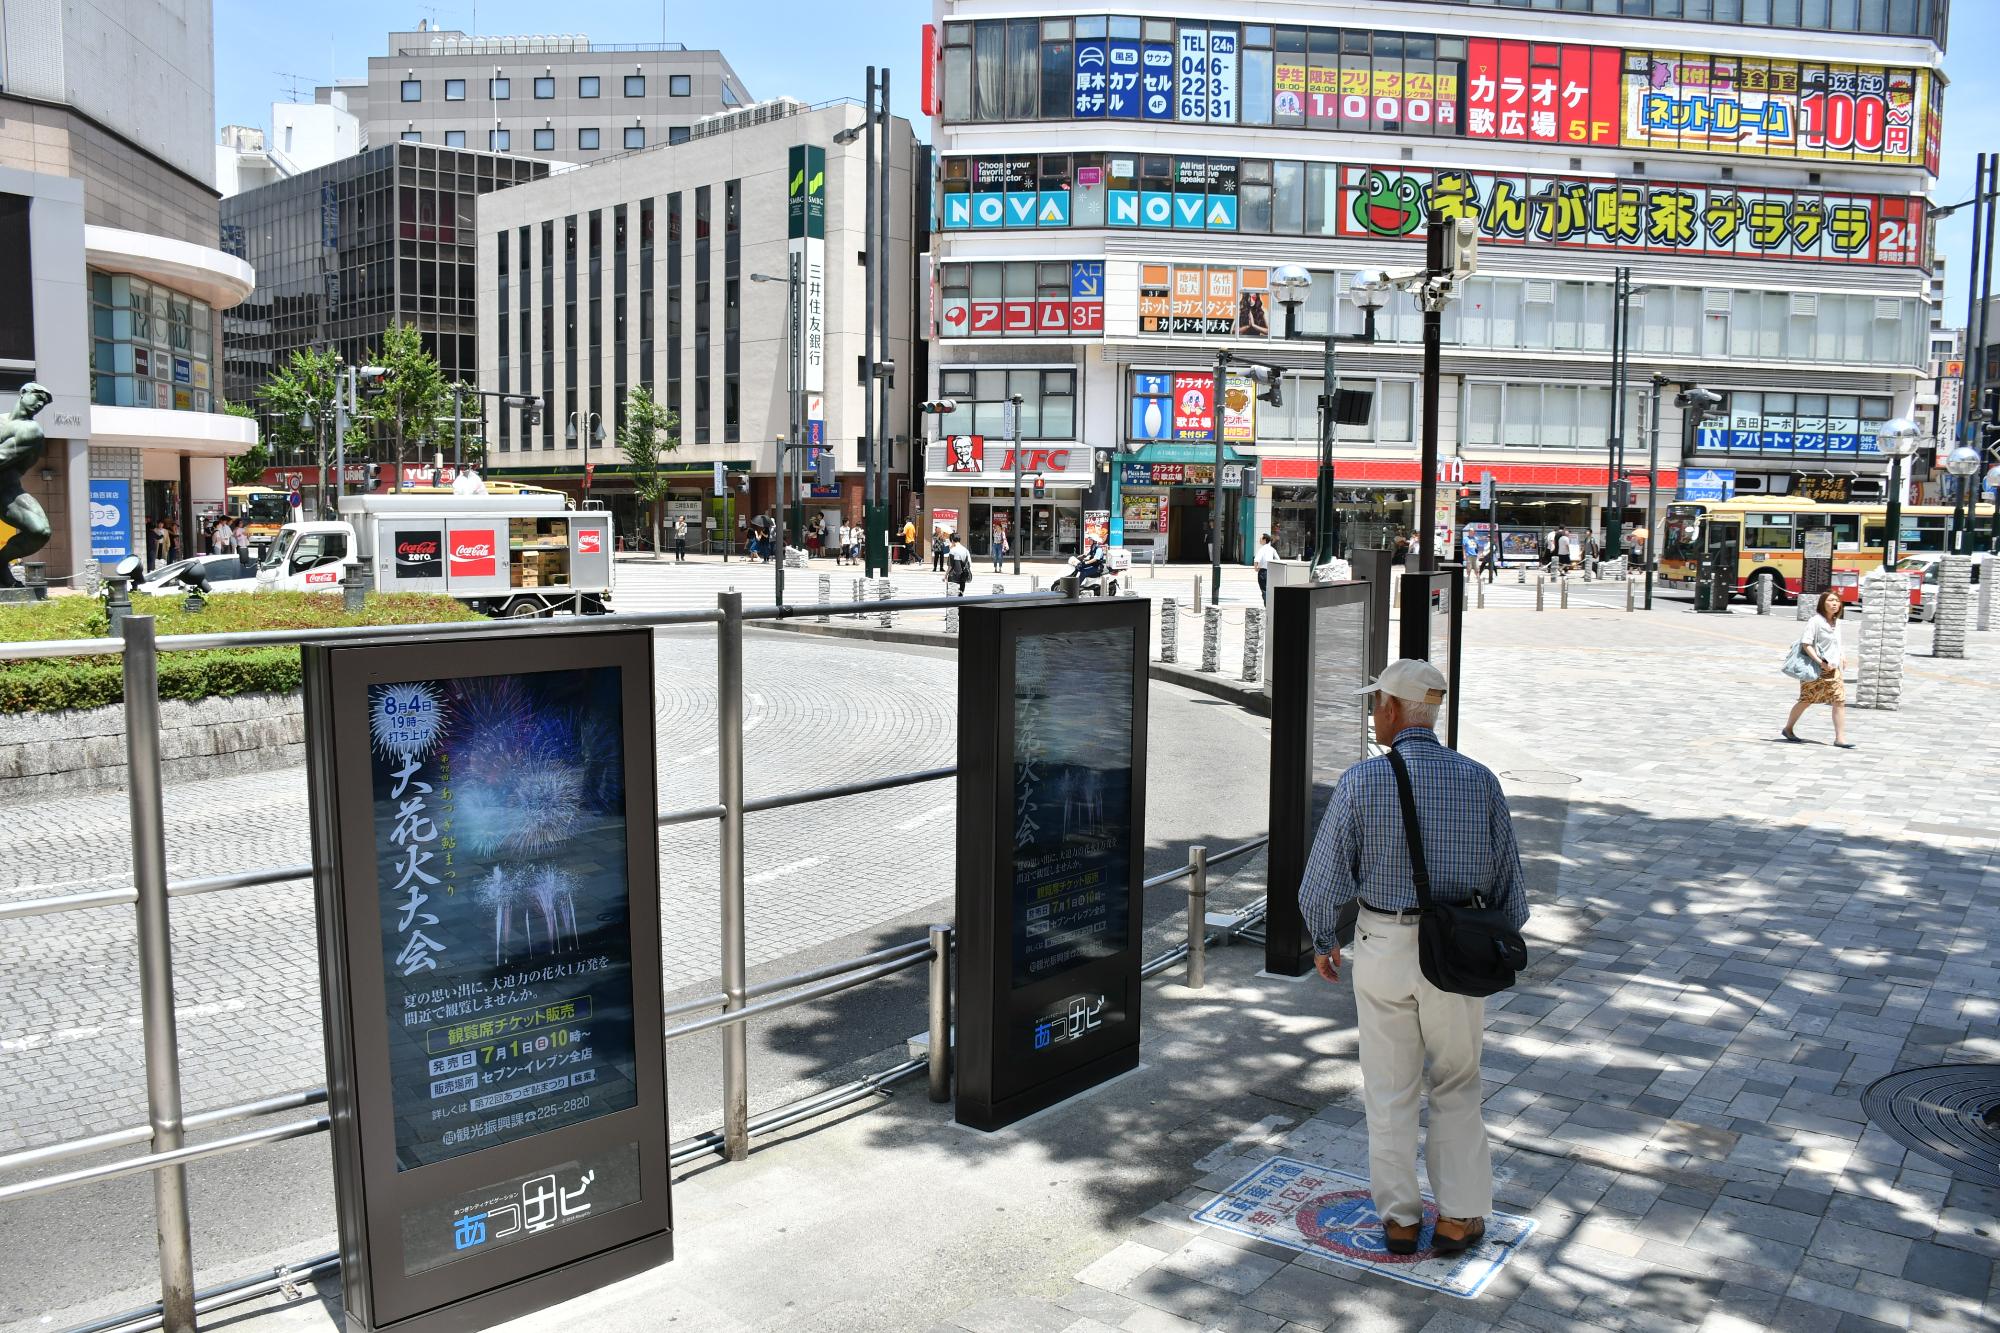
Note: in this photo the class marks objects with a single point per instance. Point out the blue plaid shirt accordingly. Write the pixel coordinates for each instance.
(1359, 850)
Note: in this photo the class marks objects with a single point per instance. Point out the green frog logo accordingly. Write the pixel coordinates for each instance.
(1389, 208)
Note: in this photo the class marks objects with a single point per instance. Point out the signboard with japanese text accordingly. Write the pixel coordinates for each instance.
(1205, 300)
(1068, 301)
(1050, 904)
(1541, 92)
(1775, 107)
(1597, 214)
(806, 238)
(110, 520)
(486, 879)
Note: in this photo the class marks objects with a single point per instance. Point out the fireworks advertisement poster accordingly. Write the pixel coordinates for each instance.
(1072, 774)
(500, 845)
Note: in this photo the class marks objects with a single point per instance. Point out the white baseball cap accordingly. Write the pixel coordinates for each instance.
(1412, 680)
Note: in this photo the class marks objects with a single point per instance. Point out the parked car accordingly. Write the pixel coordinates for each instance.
(225, 573)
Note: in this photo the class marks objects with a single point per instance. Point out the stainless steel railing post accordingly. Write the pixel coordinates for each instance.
(940, 1035)
(735, 967)
(156, 969)
(1197, 917)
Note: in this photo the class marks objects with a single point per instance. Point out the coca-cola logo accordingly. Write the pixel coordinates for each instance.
(415, 550)
(589, 541)
(472, 554)
(420, 554)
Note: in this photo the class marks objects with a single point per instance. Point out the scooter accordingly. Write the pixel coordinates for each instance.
(1089, 573)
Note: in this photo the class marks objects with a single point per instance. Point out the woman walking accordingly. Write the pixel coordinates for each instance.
(1820, 641)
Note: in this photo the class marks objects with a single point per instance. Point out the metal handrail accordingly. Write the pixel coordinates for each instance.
(747, 1012)
(125, 1138)
(1242, 849)
(161, 1161)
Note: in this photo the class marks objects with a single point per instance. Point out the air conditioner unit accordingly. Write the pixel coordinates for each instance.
(1805, 305)
(1715, 300)
(1866, 488)
(1541, 291)
(1888, 307)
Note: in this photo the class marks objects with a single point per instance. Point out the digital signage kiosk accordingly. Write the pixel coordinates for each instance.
(1320, 645)
(486, 879)
(1051, 851)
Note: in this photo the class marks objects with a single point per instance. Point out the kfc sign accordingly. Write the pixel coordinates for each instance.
(473, 553)
(589, 541)
(965, 453)
(961, 458)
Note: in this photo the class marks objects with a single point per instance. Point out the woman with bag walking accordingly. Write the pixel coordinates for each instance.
(1819, 644)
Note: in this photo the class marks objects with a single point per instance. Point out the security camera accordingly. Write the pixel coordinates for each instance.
(1461, 248)
(1698, 398)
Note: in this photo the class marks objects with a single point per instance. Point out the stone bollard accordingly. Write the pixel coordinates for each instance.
(1211, 638)
(825, 596)
(885, 589)
(1563, 589)
(1885, 618)
(998, 588)
(1395, 588)
(1197, 594)
(1253, 643)
(1170, 631)
(1034, 583)
(1628, 596)
(1764, 593)
(951, 620)
(1479, 591)
(1521, 574)
(860, 595)
(1987, 566)
(1954, 606)
(1539, 584)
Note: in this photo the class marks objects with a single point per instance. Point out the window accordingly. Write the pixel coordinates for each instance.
(635, 136)
(499, 141)
(635, 85)
(454, 90)
(1539, 416)
(677, 134)
(1048, 403)
(545, 89)
(413, 90)
(586, 85)
(499, 90)
(412, 136)
(680, 85)
(545, 141)
(149, 347)
(587, 140)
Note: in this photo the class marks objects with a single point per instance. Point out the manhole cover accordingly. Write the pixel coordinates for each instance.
(1539, 775)
(1949, 1113)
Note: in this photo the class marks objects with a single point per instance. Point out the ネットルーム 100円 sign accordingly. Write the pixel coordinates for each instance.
(485, 870)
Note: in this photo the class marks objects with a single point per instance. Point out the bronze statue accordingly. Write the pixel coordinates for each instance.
(20, 446)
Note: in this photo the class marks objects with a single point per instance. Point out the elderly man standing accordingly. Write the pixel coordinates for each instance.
(1360, 861)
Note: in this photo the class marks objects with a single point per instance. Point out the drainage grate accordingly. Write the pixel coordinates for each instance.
(1548, 775)
(1949, 1113)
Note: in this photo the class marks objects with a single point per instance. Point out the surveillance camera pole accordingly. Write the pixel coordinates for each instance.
(1433, 375)
(1215, 407)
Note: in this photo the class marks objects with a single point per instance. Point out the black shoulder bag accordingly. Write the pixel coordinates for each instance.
(1463, 948)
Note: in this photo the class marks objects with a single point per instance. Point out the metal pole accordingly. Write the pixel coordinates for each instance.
(735, 966)
(940, 1033)
(458, 424)
(343, 411)
(1433, 378)
(868, 315)
(1215, 501)
(1016, 537)
(1974, 361)
(1197, 917)
(1328, 429)
(783, 470)
(1653, 490)
(156, 969)
(1989, 188)
(1892, 539)
(880, 387)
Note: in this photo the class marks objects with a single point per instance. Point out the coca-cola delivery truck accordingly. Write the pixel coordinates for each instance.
(505, 555)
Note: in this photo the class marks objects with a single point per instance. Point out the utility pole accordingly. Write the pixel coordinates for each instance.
(884, 366)
(1215, 503)
(1621, 351)
(1988, 188)
(1014, 538)
(1433, 309)
(343, 415)
(1653, 489)
(1967, 428)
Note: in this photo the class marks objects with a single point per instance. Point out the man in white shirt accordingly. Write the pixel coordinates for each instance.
(958, 566)
(1266, 550)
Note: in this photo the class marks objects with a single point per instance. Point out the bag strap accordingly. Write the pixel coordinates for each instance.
(1413, 835)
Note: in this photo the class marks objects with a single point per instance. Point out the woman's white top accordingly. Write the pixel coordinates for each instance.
(1823, 637)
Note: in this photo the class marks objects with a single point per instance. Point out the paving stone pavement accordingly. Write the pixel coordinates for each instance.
(1751, 932)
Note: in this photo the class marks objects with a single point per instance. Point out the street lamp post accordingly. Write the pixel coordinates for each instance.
(795, 429)
(1896, 438)
(1963, 463)
(1294, 283)
(1653, 487)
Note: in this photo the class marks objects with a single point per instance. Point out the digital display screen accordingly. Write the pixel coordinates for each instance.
(500, 848)
(1340, 716)
(1072, 809)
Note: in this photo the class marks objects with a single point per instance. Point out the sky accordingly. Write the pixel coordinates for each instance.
(258, 44)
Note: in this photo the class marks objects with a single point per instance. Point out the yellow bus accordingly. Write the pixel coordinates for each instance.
(262, 510)
(1768, 532)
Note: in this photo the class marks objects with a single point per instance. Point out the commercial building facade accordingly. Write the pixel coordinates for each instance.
(637, 272)
(1115, 192)
(107, 206)
(558, 96)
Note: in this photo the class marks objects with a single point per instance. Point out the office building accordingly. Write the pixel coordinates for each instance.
(303, 135)
(559, 96)
(108, 207)
(639, 271)
(1115, 193)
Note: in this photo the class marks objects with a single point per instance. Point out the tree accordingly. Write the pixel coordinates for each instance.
(246, 468)
(649, 431)
(415, 398)
(305, 389)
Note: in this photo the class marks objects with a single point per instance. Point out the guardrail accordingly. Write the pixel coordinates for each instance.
(739, 1001)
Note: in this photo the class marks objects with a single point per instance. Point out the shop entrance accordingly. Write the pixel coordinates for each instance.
(1053, 528)
(1188, 525)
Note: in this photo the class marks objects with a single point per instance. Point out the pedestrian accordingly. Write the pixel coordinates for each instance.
(958, 566)
(999, 545)
(1400, 552)
(680, 539)
(222, 539)
(173, 540)
(1820, 641)
(1361, 856)
(1266, 550)
(939, 548)
(157, 547)
(1490, 557)
(1591, 552)
(814, 532)
(909, 541)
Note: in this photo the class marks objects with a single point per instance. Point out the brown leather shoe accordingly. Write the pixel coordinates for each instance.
(1401, 1239)
(1455, 1234)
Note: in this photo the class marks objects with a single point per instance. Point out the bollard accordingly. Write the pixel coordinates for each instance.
(1170, 631)
(1764, 593)
(825, 595)
(1562, 586)
(1628, 596)
(1479, 591)
(1521, 575)
(998, 587)
(1034, 583)
(951, 620)
(860, 595)
(884, 592)
(1197, 918)
(1197, 594)
(1538, 593)
(1395, 589)
(1253, 643)
(939, 1049)
(1953, 608)
(1211, 638)
(1987, 565)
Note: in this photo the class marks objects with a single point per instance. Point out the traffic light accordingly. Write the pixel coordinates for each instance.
(1040, 489)
(823, 469)
(374, 472)
(938, 407)
(374, 380)
(1270, 381)
(741, 480)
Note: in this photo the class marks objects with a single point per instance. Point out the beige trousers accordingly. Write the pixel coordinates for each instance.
(1406, 1021)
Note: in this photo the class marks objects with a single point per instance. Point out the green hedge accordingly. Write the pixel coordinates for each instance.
(50, 684)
